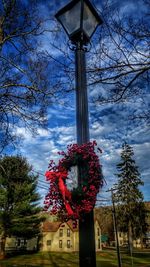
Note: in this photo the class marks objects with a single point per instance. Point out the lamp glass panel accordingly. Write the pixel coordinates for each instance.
(71, 19)
(89, 21)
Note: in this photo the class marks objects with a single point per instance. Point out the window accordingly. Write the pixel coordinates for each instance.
(99, 244)
(60, 232)
(68, 232)
(18, 242)
(48, 242)
(23, 242)
(68, 243)
(98, 231)
(60, 243)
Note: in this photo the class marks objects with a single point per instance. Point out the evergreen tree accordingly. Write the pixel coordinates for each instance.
(19, 210)
(131, 208)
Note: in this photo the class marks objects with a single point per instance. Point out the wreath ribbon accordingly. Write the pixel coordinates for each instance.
(66, 194)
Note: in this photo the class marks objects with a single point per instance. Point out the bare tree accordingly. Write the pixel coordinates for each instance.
(121, 64)
(26, 86)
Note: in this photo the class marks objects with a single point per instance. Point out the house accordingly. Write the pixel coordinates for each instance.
(137, 243)
(20, 244)
(64, 237)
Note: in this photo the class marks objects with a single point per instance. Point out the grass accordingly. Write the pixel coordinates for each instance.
(106, 258)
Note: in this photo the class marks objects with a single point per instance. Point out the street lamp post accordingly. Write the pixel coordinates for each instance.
(80, 20)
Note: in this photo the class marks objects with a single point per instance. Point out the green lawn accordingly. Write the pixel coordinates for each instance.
(106, 258)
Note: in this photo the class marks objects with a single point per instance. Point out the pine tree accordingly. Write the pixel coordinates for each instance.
(19, 210)
(131, 208)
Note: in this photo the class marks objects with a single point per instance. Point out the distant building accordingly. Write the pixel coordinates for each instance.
(123, 241)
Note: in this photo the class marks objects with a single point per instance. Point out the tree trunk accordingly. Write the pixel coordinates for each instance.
(130, 239)
(141, 241)
(2, 246)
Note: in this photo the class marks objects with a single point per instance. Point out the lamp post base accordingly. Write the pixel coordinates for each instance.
(87, 255)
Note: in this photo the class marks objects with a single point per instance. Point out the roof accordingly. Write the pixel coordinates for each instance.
(50, 226)
(54, 226)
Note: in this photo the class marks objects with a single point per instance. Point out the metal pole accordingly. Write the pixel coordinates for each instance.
(87, 254)
(116, 230)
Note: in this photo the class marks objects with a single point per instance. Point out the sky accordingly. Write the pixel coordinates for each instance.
(110, 126)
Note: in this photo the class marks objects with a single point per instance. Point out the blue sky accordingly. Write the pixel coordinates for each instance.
(109, 132)
(110, 125)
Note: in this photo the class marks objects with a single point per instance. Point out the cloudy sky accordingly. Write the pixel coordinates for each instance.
(110, 125)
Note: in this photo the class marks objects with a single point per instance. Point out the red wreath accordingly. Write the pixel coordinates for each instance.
(73, 204)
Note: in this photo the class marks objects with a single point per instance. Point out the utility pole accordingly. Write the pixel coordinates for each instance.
(115, 226)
